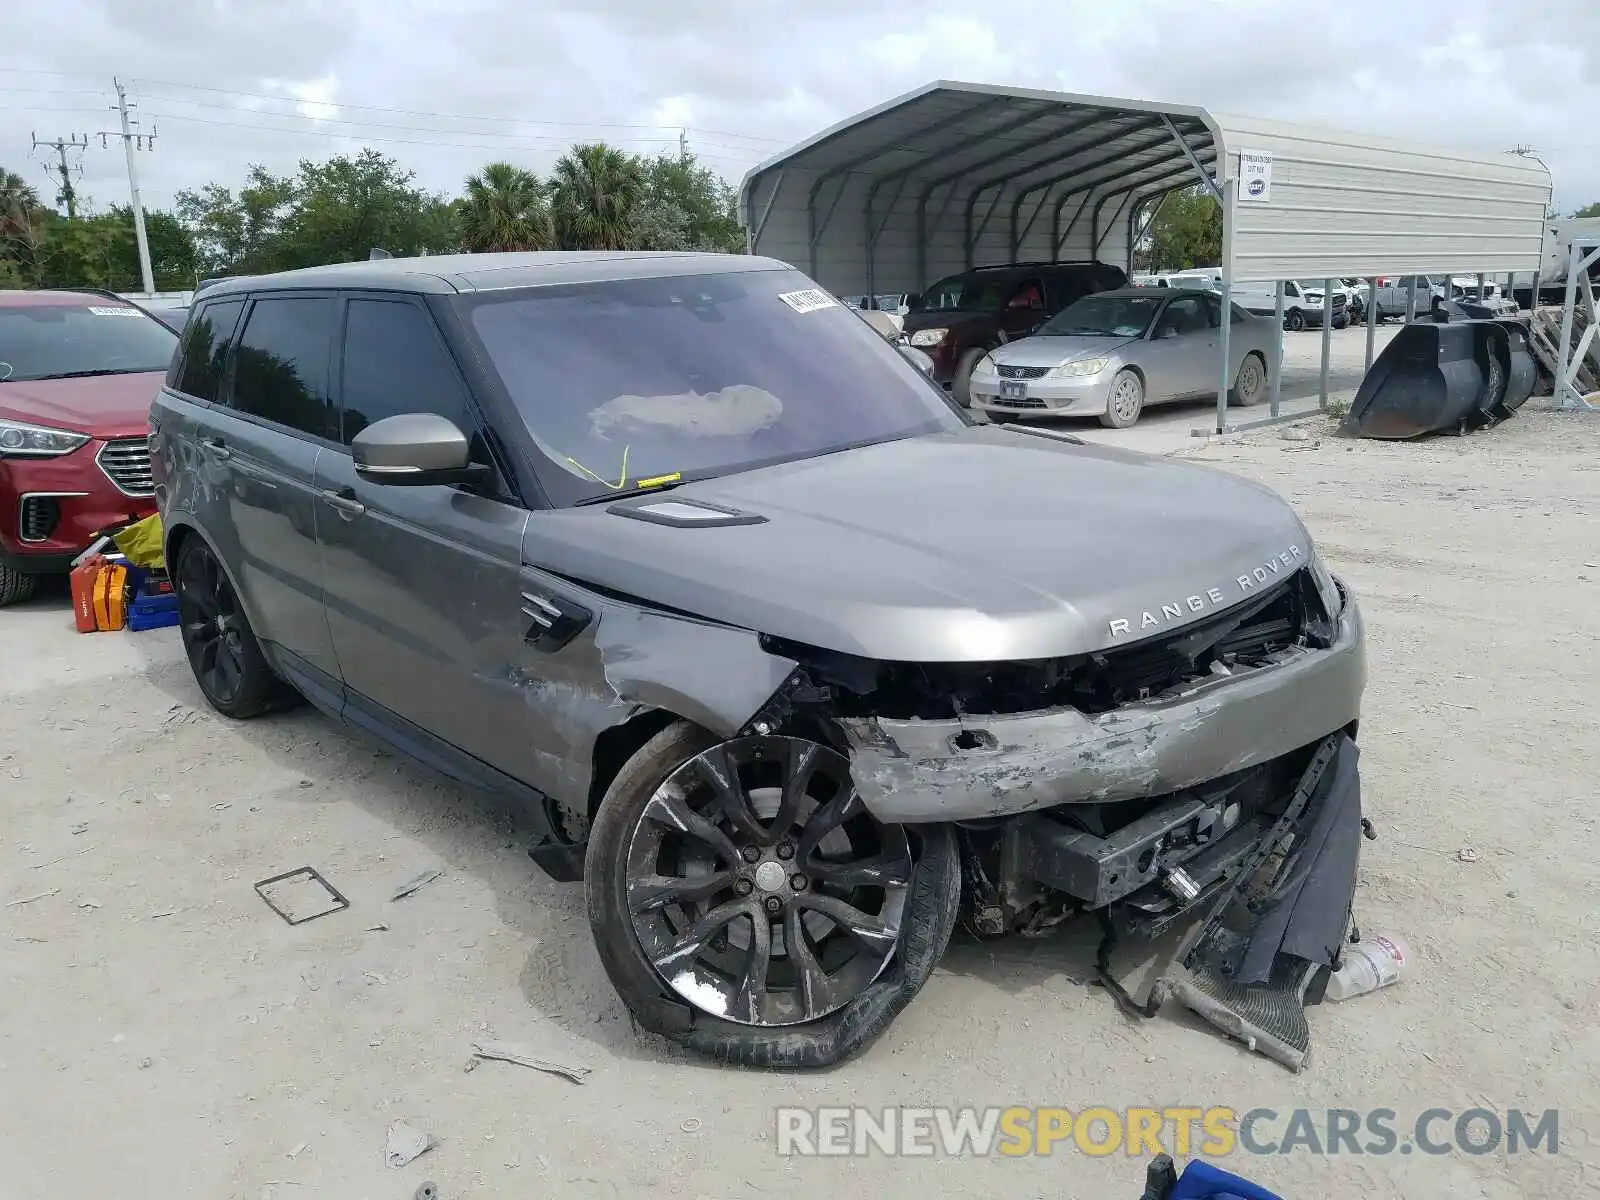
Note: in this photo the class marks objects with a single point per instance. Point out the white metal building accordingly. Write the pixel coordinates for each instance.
(956, 175)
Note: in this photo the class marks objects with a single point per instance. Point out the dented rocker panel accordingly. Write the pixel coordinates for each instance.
(913, 771)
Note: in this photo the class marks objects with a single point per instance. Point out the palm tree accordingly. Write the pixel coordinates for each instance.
(19, 202)
(597, 190)
(506, 209)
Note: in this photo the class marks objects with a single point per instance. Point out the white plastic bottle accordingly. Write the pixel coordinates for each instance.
(1372, 963)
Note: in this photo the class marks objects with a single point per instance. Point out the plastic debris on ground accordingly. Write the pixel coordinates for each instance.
(406, 1144)
(512, 1052)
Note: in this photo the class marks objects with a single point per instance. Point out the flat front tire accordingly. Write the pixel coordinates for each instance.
(747, 906)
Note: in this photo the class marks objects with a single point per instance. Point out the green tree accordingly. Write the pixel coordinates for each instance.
(332, 211)
(238, 233)
(687, 206)
(506, 208)
(1186, 232)
(597, 192)
(344, 207)
(1589, 210)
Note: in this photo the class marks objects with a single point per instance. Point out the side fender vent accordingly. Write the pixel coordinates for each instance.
(552, 620)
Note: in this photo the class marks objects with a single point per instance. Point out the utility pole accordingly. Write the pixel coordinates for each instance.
(683, 143)
(131, 141)
(68, 195)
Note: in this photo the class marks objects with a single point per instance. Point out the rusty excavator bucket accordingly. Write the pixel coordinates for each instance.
(1444, 374)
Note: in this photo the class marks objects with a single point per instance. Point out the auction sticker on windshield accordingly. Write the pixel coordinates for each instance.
(809, 300)
(107, 311)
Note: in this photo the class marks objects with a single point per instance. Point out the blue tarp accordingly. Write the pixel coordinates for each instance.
(1202, 1181)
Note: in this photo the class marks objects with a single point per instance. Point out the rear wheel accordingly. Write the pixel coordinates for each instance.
(1295, 321)
(1125, 402)
(961, 382)
(1250, 385)
(15, 587)
(222, 649)
(747, 905)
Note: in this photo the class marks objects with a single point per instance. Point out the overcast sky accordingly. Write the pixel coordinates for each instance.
(446, 85)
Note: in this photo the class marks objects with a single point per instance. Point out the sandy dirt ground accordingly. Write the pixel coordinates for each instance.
(165, 1034)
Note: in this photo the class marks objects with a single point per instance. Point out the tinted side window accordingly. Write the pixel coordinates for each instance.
(281, 364)
(205, 349)
(394, 363)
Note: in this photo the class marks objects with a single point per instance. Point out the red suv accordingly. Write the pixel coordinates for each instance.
(78, 371)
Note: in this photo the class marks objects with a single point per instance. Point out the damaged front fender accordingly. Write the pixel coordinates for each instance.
(715, 675)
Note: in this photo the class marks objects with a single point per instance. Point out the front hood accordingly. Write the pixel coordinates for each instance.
(1045, 350)
(102, 406)
(982, 544)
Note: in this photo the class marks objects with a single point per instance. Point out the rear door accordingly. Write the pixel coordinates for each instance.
(261, 443)
(1023, 309)
(423, 583)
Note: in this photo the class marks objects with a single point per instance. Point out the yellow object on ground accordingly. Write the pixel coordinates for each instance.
(110, 596)
(140, 543)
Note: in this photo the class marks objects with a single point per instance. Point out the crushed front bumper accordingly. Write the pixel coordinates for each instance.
(914, 771)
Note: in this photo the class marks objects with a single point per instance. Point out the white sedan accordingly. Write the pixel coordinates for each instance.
(1112, 353)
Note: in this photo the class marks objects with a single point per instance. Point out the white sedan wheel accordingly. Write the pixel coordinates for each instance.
(1126, 400)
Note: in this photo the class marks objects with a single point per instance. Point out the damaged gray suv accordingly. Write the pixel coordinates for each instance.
(794, 665)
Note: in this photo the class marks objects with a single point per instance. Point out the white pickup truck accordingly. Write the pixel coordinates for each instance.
(1393, 293)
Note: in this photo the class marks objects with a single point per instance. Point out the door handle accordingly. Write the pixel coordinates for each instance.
(216, 448)
(344, 500)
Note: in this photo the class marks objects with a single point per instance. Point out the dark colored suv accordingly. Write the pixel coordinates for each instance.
(960, 319)
(77, 373)
(680, 552)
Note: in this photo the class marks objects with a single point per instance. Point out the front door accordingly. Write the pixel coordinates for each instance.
(423, 583)
(1181, 357)
(271, 422)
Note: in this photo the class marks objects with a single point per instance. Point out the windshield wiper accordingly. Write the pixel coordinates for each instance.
(97, 371)
(625, 493)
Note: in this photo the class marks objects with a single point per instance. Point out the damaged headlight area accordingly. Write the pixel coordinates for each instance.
(1185, 778)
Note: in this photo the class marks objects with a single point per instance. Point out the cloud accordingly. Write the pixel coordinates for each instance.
(445, 85)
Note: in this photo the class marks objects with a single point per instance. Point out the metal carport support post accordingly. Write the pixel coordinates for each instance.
(1327, 343)
(1372, 318)
(1277, 367)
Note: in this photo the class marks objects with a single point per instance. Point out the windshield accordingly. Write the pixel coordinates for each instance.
(1313, 285)
(966, 293)
(60, 341)
(640, 383)
(1104, 316)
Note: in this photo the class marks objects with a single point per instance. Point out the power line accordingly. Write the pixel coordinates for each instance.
(411, 112)
(502, 143)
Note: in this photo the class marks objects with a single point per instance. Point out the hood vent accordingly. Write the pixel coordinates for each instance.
(683, 513)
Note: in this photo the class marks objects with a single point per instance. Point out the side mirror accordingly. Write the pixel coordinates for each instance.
(918, 359)
(1165, 332)
(914, 302)
(415, 450)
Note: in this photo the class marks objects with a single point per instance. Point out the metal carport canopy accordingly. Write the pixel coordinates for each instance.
(955, 175)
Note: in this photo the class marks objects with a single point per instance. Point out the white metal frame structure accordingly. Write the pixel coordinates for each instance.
(1584, 254)
(956, 175)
